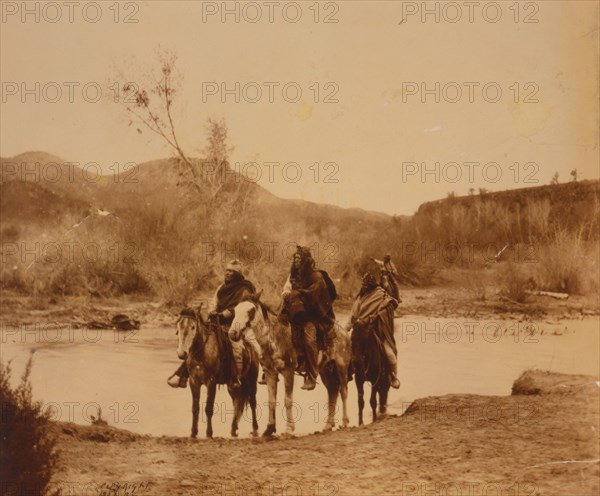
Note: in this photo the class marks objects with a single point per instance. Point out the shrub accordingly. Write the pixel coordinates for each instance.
(568, 264)
(514, 282)
(27, 454)
(474, 283)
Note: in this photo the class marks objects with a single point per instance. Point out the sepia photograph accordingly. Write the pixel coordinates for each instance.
(300, 248)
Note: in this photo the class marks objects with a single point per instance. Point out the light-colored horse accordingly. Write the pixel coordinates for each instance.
(275, 340)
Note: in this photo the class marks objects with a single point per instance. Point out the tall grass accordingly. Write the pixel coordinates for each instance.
(568, 263)
(162, 246)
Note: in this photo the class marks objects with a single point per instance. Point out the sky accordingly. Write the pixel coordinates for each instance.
(383, 109)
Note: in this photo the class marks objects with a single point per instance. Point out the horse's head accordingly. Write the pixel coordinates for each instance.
(245, 314)
(187, 328)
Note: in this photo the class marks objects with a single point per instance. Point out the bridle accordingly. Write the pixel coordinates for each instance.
(198, 323)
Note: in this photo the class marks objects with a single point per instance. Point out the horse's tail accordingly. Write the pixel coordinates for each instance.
(250, 375)
(337, 371)
(226, 359)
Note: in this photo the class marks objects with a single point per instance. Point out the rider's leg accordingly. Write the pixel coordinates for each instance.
(237, 347)
(274, 350)
(251, 338)
(180, 377)
(330, 341)
(391, 356)
(312, 353)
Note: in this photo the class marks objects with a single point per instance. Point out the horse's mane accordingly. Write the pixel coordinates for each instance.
(262, 306)
(188, 312)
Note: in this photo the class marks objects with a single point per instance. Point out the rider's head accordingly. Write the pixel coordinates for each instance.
(303, 262)
(233, 270)
(368, 281)
(387, 258)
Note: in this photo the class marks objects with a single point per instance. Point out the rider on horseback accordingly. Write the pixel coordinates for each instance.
(308, 296)
(388, 271)
(374, 308)
(235, 288)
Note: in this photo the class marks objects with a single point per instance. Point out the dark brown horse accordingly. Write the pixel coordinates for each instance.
(207, 351)
(370, 364)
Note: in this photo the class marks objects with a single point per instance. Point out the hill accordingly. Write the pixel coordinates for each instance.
(180, 239)
(68, 180)
(521, 215)
(154, 232)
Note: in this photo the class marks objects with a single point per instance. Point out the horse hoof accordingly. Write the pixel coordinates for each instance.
(234, 434)
(254, 433)
(269, 431)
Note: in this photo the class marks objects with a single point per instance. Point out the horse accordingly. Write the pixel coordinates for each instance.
(370, 364)
(388, 283)
(206, 350)
(275, 339)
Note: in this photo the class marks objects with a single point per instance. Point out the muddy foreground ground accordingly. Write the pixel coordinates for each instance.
(541, 440)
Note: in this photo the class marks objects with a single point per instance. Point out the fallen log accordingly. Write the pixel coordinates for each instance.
(558, 296)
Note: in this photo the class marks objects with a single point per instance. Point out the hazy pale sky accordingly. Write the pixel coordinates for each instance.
(360, 81)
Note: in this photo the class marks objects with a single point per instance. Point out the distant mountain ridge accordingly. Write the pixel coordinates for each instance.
(156, 181)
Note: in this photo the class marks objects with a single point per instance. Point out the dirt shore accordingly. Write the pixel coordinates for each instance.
(541, 440)
(443, 301)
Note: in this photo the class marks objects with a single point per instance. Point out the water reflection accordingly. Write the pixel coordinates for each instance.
(124, 373)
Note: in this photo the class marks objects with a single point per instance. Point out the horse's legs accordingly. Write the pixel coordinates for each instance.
(252, 401)
(195, 389)
(236, 398)
(383, 396)
(288, 378)
(210, 404)
(360, 389)
(343, 375)
(333, 389)
(271, 378)
(373, 401)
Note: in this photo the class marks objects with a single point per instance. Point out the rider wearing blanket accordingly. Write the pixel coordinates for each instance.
(235, 289)
(308, 296)
(374, 307)
(386, 266)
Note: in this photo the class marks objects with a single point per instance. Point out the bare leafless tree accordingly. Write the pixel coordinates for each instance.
(149, 102)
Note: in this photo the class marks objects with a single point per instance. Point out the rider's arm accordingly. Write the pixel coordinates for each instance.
(353, 314)
(287, 287)
(392, 304)
(229, 312)
(212, 304)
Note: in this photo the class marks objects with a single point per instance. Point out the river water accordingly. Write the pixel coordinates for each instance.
(77, 370)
